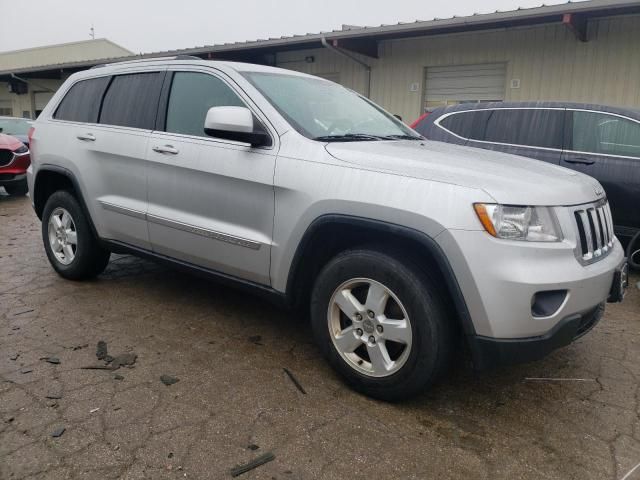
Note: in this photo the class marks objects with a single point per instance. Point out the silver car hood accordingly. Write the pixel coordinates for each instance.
(509, 179)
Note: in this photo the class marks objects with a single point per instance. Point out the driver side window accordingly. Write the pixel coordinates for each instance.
(595, 132)
(192, 95)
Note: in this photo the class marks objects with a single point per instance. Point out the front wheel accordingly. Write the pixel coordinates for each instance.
(17, 189)
(71, 247)
(381, 323)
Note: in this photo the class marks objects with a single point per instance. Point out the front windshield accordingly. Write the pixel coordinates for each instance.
(14, 126)
(325, 111)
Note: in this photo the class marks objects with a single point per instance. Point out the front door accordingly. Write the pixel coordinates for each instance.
(606, 146)
(211, 201)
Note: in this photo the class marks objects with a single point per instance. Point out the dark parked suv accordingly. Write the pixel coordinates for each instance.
(603, 142)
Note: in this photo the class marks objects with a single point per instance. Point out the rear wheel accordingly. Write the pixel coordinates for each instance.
(17, 189)
(381, 323)
(71, 247)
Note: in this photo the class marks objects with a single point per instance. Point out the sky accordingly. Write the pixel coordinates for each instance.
(154, 25)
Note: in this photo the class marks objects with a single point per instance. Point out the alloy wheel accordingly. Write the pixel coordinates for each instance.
(63, 236)
(369, 327)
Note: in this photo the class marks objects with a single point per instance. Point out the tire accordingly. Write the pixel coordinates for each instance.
(83, 260)
(427, 330)
(17, 189)
(633, 252)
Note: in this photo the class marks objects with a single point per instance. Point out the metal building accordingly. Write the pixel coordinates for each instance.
(26, 97)
(583, 52)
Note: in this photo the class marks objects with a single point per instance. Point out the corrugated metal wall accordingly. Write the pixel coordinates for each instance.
(549, 61)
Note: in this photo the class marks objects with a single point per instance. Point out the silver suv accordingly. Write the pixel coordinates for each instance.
(307, 193)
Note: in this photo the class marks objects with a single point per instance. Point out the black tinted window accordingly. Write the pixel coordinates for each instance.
(82, 101)
(467, 124)
(601, 133)
(132, 100)
(533, 128)
(192, 95)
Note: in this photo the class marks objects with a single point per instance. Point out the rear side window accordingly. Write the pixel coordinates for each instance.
(192, 95)
(526, 127)
(82, 101)
(595, 132)
(468, 125)
(132, 100)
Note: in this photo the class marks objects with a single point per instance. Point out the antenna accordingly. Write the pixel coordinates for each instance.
(92, 32)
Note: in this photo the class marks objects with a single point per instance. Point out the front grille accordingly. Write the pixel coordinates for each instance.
(6, 157)
(595, 232)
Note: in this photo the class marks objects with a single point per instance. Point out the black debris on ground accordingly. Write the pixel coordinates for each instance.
(52, 360)
(53, 396)
(253, 446)
(118, 377)
(295, 381)
(58, 432)
(261, 460)
(14, 357)
(256, 339)
(26, 370)
(168, 379)
(101, 350)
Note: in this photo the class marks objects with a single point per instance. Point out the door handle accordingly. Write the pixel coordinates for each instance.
(87, 137)
(170, 149)
(580, 161)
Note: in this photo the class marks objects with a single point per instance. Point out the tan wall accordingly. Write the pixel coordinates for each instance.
(549, 61)
(27, 102)
(64, 53)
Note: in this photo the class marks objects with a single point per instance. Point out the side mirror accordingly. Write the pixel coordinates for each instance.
(235, 123)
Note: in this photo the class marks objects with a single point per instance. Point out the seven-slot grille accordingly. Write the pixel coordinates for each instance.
(6, 157)
(595, 232)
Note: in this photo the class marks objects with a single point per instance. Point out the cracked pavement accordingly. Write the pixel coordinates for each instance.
(228, 351)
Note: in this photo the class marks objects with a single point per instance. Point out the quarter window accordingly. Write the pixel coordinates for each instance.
(595, 132)
(192, 95)
(132, 100)
(82, 101)
(526, 127)
(468, 125)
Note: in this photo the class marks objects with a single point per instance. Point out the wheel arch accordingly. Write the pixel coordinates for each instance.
(321, 242)
(51, 178)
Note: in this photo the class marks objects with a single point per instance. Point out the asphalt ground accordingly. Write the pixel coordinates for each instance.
(233, 402)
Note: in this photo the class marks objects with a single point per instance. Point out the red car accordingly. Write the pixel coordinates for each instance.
(14, 161)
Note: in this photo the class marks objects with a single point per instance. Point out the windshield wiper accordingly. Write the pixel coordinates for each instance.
(348, 137)
(402, 137)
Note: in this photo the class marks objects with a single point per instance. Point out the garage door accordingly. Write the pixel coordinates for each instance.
(41, 100)
(464, 84)
(5, 108)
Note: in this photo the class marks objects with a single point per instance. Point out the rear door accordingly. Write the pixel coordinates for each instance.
(105, 126)
(118, 146)
(211, 201)
(531, 132)
(606, 146)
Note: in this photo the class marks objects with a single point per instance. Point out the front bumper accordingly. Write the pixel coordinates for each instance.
(489, 353)
(500, 280)
(10, 178)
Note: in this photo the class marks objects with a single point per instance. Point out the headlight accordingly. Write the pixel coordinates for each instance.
(530, 224)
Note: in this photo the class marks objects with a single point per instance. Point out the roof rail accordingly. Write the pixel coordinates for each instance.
(151, 59)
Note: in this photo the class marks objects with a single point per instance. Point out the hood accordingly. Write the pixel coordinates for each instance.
(7, 142)
(509, 179)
